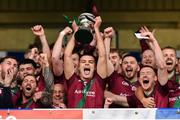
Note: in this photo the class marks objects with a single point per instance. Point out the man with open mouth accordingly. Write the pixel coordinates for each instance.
(169, 54)
(28, 88)
(153, 86)
(86, 89)
(173, 82)
(123, 83)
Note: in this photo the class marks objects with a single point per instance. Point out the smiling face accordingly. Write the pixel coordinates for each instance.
(148, 58)
(86, 67)
(29, 86)
(129, 67)
(170, 59)
(58, 94)
(147, 78)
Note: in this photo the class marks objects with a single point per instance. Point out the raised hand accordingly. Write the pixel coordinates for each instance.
(66, 30)
(145, 32)
(98, 22)
(44, 59)
(109, 32)
(9, 75)
(74, 26)
(38, 30)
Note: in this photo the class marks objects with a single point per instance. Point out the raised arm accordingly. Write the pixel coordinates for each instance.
(47, 73)
(108, 34)
(68, 62)
(101, 64)
(57, 60)
(160, 62)
(38, 30)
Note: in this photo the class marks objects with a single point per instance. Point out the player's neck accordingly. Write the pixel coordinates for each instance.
(85, 79)
(133, 80)
(171, 74)
(25, 99)
(119, 70)
(149, 92)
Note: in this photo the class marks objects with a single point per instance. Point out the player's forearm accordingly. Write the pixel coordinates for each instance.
(56, 53)
(139, 93)
(49, 78)
(45, 46)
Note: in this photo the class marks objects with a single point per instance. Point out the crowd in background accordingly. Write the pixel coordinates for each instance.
(91, 75)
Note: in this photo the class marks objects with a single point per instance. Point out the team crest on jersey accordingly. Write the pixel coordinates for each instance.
(125, 83)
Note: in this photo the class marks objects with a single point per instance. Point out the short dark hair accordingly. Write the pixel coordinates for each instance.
(28, 61)
(89, 53)
(169, 47)
(32, 76)
(7, 57)
(128, 55)
(114, 50)
(148, 66)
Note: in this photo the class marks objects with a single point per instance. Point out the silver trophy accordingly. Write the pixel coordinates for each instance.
(84, 35)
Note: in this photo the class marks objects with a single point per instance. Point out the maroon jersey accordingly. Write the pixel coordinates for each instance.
(173, 96)
(160, 95)
(174, 90)
(94, 97)
(172, 84)
(119, 86)
(41, 83)
(15, 96)
(30, 104)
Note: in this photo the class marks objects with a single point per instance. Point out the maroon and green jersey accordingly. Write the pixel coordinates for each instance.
(94, 96)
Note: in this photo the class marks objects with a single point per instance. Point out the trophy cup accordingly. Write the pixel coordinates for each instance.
(84, 34)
